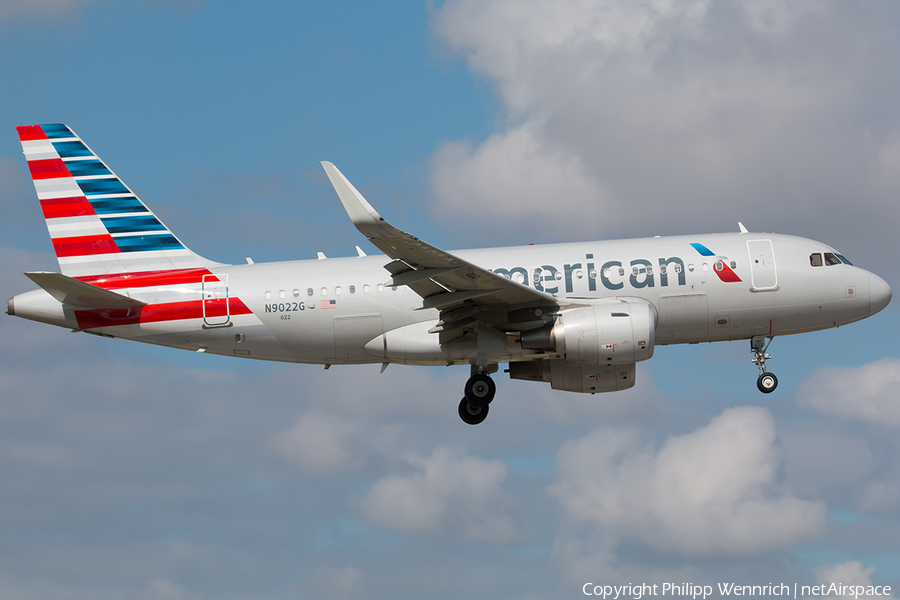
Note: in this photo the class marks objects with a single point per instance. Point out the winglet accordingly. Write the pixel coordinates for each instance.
(358, 209)
(743, 229)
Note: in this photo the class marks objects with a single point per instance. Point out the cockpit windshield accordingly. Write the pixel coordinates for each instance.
(815, 259)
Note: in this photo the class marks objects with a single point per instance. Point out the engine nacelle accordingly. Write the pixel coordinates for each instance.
(575, 376)
(606, 334)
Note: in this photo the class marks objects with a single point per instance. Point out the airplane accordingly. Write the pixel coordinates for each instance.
(578, 316)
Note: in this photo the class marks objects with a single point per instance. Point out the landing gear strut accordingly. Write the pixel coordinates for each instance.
(767, 382)
(479, 393)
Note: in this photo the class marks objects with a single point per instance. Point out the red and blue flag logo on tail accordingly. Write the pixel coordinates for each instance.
(96, 223)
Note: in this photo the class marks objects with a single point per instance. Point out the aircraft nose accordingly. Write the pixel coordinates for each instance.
(879, 294)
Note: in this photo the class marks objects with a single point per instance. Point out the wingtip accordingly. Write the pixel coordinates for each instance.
(358, 209)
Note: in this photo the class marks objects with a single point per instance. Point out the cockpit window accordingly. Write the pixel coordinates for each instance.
(844, 259)
(815, 259)
(831, 259)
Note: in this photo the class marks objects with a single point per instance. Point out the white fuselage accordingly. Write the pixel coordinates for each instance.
(339, 310)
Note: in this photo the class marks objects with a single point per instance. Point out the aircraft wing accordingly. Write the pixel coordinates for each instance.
(443, 280)
(72, 291)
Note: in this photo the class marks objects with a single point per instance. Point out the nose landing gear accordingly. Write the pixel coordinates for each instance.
(767, 382)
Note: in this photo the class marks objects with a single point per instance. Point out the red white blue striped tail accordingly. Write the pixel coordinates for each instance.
(97, 224)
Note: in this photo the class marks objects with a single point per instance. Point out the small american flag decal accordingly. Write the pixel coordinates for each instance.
(327, 304)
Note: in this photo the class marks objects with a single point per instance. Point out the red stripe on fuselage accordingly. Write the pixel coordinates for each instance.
(50, 168)
(149, 278)
(28, 133)
(84, 245)
(155, 313)
(57, 208)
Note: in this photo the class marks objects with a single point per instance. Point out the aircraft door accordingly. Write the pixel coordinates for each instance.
(762, 265)
(214, 299)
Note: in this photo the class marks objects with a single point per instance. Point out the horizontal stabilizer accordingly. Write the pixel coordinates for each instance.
(78, 293)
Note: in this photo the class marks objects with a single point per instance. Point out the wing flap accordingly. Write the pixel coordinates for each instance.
(78, 293)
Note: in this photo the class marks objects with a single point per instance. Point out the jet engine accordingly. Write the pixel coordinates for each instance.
(605, 334)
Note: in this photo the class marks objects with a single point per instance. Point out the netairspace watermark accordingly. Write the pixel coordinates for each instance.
(695, 591)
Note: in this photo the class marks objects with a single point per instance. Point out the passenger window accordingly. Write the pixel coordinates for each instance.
(815, 259)
(380, 287)
(296, 293)
(733, 265)
(309, 292)
(268, 295)
(352, 289)
(281, 294)
(831, 259)
(337, 290)
(366, 288)
(324, 291)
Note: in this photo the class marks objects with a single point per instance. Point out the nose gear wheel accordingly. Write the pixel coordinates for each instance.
(767, 382)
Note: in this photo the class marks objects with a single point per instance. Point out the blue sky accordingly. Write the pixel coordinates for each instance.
(140, 472)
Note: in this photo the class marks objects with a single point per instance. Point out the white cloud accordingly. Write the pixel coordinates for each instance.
(880, 497)
(650, 117)
(491, 175)
(165, 589)
(332, 583)
(448, 491)
(319, 443)
(848, 573)
(866, 393)
(818, 462)
(707, 493)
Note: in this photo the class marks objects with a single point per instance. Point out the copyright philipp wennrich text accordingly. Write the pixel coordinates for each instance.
(694, 591)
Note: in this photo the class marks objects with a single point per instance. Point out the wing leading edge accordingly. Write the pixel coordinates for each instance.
(463, 292)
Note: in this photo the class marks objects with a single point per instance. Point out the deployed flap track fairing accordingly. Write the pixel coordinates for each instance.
(578, 316)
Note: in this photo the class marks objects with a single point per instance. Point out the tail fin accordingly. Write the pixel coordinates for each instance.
(97, 224)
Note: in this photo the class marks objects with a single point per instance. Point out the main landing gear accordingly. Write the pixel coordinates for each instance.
(479, 392)
(767, 382)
